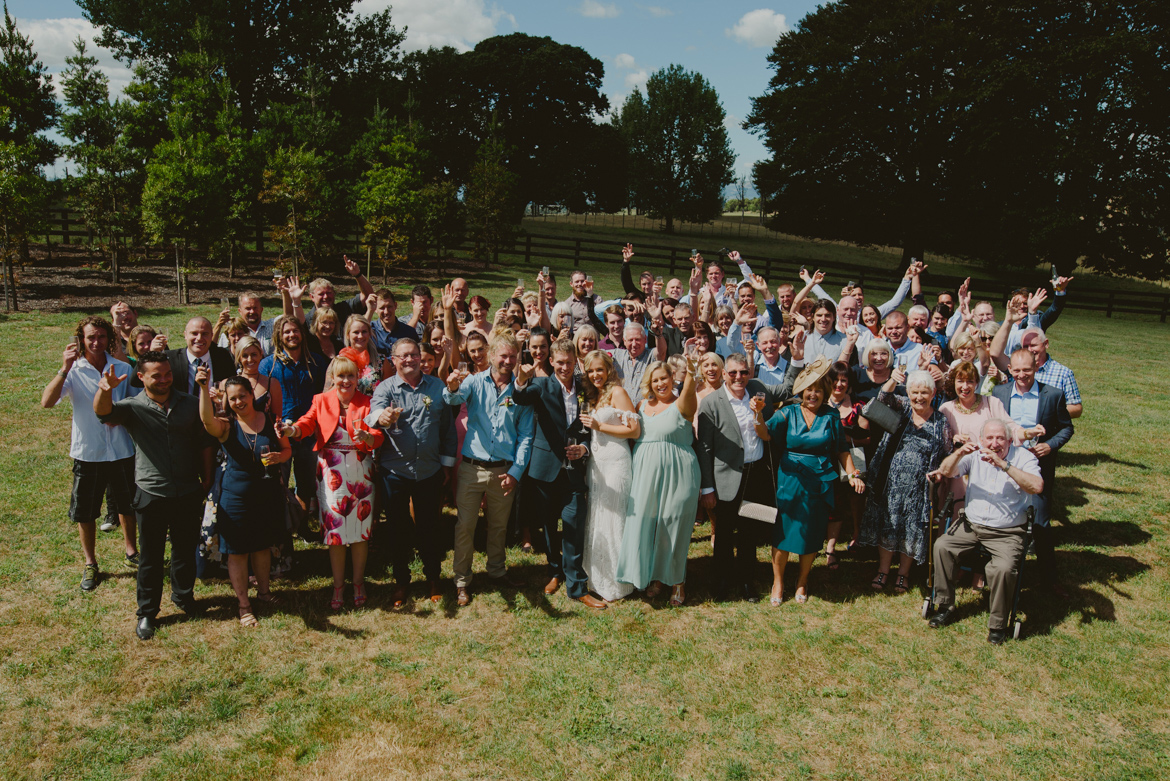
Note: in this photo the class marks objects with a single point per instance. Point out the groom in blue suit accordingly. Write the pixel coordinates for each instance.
(561, 491)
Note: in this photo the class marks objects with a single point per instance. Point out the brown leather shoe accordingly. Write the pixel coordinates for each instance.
(436, 591)
(462, 597)
(591, 601)
(400, 596)
(552, 586)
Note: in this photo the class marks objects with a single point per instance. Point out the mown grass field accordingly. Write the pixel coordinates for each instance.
(851, 685)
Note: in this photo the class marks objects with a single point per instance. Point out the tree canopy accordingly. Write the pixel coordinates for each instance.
(680, 158)
(1008, 132)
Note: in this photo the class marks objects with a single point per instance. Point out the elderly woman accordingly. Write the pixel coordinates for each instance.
(877, 361)
(585, 341)
(562, 321)
(812, 446)
(964, 347)
(250, 508)
(345, 471)
(897, 512)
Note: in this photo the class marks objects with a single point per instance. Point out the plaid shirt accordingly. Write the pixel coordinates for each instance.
(1056, 374)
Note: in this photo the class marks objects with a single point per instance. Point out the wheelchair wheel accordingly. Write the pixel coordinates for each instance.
(926, 608)
(1016, 629)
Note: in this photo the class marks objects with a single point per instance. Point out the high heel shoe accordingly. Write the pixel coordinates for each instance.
(336, 603)
(359, 595)
(677, 596)
(777, 600)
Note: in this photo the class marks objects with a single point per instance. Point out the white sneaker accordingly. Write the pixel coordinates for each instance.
(108, 526)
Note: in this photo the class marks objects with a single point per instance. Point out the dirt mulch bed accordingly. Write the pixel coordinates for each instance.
(74, 280)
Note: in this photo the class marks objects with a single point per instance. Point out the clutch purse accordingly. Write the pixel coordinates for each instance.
(757, 511)
(858, 454)
(882, 416)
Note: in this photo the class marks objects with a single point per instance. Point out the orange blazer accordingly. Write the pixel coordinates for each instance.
(324, 416)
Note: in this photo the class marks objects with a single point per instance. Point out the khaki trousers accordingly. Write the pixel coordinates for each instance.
(476, 482)
(1005, 547)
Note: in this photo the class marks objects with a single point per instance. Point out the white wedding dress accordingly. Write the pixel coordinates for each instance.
(608, 480)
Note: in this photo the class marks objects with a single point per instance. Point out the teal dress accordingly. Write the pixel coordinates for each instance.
(806, 476)
(664, 497)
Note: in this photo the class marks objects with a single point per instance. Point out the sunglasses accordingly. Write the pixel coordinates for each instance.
(737, 372)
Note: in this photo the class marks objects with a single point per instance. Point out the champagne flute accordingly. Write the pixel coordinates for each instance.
(397, 414)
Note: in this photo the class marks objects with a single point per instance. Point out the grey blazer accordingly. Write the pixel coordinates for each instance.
(719, 445)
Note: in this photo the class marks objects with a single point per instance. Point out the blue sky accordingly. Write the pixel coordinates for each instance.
(727, 42)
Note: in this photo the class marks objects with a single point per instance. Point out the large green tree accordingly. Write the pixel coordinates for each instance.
(680, 157)
(265, 45)
(542, 99)
(1008, 132)
(26, 91)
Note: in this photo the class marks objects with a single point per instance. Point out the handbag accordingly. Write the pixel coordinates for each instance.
(755, 510)
(858, 454)
(882, 416)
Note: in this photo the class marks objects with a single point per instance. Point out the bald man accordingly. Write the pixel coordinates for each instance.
(199, 351)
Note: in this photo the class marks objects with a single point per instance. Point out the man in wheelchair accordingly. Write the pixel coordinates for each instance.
(1000, 481)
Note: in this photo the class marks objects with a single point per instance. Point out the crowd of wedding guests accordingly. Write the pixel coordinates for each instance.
(603, 429)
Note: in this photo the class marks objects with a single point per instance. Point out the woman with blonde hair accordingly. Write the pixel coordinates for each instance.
(344, 446)
(613, 421)
(327, 329)
(664, 487)
(265, 390)
(139, 341)
(710, 375)
(360, 348)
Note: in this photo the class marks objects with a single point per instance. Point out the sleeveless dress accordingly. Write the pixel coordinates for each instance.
(608, 479)
(345, 484)
(664, 495)
(806, 476)
(250, 509)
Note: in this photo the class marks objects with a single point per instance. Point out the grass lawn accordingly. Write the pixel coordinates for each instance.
(849, 685)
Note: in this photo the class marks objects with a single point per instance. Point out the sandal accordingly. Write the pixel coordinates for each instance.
(776, 601)
(246, 617)
(677, 596)
(527, 548)
(831, 561)
(901, 586)
(359, 595)
(336, 603)
(879, 581)
(801, 597)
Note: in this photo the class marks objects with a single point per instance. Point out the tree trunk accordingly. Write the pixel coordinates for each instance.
(231, 260)
(186, 287)
(669, 223)
(178, 276)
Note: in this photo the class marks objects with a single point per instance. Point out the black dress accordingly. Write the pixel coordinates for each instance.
(250, 506)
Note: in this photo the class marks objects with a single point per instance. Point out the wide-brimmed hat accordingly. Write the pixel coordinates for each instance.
(811, 375)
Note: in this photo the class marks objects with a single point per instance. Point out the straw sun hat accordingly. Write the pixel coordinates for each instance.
(811, 375)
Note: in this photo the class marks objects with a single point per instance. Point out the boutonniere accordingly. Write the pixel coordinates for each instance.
(427, 400)
(507, 402)
(581, 397)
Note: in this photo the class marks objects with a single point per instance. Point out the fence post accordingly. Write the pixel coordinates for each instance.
(577, 253)
(1109, 304)
(1165, 307)
(672, 251)
(64, 226)
(527, 250)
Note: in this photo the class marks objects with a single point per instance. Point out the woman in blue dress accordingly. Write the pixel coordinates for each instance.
(664, 487)
(812, 445)
(251, 506)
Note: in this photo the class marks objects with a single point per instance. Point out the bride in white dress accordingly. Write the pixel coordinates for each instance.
(614, 421)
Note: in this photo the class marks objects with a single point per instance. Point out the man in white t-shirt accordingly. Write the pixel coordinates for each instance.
(1001, 479)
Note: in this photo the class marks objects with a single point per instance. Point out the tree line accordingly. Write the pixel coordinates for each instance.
(310, 119)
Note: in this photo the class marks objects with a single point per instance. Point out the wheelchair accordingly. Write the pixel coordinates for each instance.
(943, 523)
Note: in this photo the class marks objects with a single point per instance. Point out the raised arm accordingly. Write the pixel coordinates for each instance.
(290, 299)
(355, 271)
(688, 402)
(627, 271)
(52, 393)
(809, 283)
(103, 400)
(214, 426)
(999, 343)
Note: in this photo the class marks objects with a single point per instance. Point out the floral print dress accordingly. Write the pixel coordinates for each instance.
(345, 487)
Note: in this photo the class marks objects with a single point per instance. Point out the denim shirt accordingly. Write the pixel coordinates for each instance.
(426, 438)
(498, 429)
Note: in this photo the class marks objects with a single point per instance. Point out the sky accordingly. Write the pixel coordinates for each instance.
(727, 42)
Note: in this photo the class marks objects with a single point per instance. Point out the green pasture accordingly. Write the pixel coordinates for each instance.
(851, 685)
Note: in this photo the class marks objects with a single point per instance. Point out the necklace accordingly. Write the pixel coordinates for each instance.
(963, 410)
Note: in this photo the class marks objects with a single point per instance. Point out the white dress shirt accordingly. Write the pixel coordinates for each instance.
(569, 396)
(93, 440)
(753, 448)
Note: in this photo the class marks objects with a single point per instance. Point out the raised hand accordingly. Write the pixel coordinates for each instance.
(371, 302)
(898, 375)
(818, 277)
(757, 282)
(851, 334)
(1061, 283)
(70, 355)
(735, 257)
(533, 318)
(1036, 299)
(696, 276)
(524, 373)
(281, 284)
(697, 259)
(455, 380)
(499, 318)
(746, 314)
(296, 291)
(924, 356)
(159, 342)
(224, 318)
(202, 375)
(351, 268)
(965, 289)
(757, 404)
(627, 253)
(448, 298)
(798, 340)
(804, 275)
(109, 380)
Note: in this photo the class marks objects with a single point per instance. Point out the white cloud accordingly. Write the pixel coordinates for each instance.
(656, 10)
(595, 10)
(759, 28)
(624, 61)
(731, 121)
(53, 39)
(636, 79)
(457, 23)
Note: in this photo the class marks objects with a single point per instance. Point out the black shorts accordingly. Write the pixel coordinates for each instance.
(90, 481)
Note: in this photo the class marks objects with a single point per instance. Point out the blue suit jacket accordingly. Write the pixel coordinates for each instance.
(543, 394)
(1052, 414)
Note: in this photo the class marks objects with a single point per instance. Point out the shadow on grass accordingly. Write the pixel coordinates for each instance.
(1079, 570)
(1093, 459)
